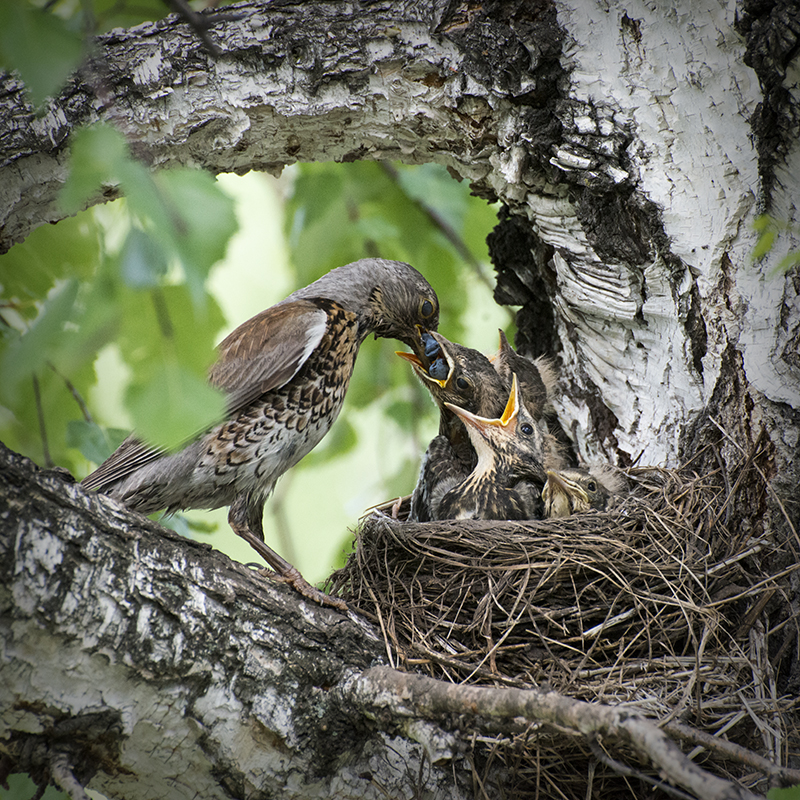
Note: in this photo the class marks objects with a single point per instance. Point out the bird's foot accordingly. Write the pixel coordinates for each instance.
(301, 585)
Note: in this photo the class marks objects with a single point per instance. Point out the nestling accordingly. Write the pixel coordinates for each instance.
(510, 451)
(573, 491)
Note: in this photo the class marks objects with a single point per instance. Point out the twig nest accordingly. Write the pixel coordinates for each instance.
(667, 602)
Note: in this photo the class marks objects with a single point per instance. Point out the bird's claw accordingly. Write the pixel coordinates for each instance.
(301, 585)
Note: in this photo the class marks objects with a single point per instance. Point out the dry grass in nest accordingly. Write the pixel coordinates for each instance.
(674, 602)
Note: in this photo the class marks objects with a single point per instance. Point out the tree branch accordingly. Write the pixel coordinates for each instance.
(382, 690)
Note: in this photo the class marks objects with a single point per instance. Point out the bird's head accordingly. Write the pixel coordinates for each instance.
(391, 299)
(573, 491)
(514, 440)
(458, 375)
(536, 378)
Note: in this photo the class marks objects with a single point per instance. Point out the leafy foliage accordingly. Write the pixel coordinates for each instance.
(58, 51)
(789, 793)
(146, 295)
(769, 229)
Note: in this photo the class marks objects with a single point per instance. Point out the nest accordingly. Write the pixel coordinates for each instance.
(672, 602)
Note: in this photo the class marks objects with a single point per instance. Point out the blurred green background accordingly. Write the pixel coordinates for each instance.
(108, 320)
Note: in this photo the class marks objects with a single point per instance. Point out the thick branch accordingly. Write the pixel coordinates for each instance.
(307, 81)
(381, 689)
(146, 664)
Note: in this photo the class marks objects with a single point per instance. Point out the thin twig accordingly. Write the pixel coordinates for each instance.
(733, 751)
(37, 398)
(74, 392)
(446, 229)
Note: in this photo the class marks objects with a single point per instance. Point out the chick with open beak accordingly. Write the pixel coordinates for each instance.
(463, 377)
(510, 451)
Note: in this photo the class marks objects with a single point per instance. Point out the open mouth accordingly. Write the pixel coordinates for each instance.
(431, 362)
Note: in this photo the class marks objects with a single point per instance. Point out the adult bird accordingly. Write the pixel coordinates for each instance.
(573, 491)
(510, 450)
(285, 373)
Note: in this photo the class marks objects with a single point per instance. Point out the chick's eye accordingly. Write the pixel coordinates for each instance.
(426, 309)
(462, 383)
(527, 429)
(591, 486)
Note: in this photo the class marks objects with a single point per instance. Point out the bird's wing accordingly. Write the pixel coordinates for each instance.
(261, 354)
(441, 470)
(267, 351)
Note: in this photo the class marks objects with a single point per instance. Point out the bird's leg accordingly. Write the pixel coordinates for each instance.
(244, 517)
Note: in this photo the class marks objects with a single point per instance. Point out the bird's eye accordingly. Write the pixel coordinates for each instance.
(426, 309)
(462, 383)
(527, 429)
(591, 486)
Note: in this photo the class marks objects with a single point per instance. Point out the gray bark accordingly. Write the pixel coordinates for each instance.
(159, 667)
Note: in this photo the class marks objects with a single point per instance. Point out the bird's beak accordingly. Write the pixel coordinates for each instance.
(416, 341)
(422, 362)
(412, 358)
(512, 406)
(479, 423)
(508, 416)
(567, 487)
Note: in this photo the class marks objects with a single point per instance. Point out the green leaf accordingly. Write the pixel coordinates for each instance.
(203, 219)
(432, 186)
(763, 222)
(39, 46)
(402, 412)
(789, 261)
(28, 352)
(98, 156)
(143, 261)
(789, 793)
(30, 269)
(174, 406)
(764, 243)
(94, 443)
(165, 324)
(377, 228)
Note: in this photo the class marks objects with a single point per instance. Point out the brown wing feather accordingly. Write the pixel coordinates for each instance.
(267, 351)
(261, 354)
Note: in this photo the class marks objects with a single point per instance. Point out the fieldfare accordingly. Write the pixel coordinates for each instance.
(573, 491)
(285, 373)
(510, 450)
